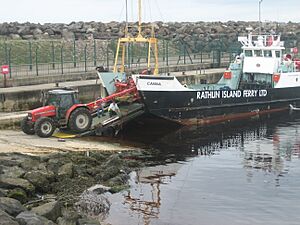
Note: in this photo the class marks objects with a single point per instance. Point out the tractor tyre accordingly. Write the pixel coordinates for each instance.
(80, 120)
(44, 127)
(27, 127)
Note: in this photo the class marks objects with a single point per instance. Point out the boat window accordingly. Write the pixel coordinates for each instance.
(257, 53)
(248, 53)
(267, 53)
(277, 53)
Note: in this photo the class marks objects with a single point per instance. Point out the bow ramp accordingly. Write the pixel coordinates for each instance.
(107, 124)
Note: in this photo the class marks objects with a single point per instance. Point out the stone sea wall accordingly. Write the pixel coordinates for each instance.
(197, 35)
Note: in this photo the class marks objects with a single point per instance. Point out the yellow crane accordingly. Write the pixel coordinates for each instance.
(151, 41)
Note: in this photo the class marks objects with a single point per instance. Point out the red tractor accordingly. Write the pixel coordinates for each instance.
(63, 110)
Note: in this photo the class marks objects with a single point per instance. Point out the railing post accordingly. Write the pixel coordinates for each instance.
(85, 58)
(147, 52)
(131, 56)
(107, 56)
(95, 53)
(184, 53)
(62, 58)
(36, 61)
(164, 50)
(53, 55)
(30, 55)
(9, 62)
(201, 56)
(167, 53)
(6, 52)
(74, 52)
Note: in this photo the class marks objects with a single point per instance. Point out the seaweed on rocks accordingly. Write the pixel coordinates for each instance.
(38, 182)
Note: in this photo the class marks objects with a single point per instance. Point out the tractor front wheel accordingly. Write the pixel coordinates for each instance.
(27, 126)
(44, 127)
(80, 120)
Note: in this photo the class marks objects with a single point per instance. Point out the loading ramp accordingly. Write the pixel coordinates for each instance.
(102, 124)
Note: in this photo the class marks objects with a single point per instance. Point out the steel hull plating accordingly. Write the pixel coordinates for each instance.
(204, 107)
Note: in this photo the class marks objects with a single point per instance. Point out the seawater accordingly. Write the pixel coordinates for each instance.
(239, 173)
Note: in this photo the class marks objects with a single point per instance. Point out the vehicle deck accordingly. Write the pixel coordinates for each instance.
(102, 123)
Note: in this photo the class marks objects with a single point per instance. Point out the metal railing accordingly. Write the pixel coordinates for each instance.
(55, 57)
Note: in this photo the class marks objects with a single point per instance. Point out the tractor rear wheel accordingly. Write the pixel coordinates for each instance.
(80, 120)
(26, 126)
(44, 127)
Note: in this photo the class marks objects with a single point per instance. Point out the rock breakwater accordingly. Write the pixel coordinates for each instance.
(197, 35)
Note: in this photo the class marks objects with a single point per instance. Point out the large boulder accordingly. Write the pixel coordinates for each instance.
(13, 171)
(93, 204)
(51, 210)
(24, 30)
(67, 35)
(3, 192)
(39, 179)
(6, 219)
(112, 167)
(29, 164)
(69, 217)
(30, 218)
(4, 29)
(98, 189)
(7, 182)
(8, 161)
(15, 36)
(18, 194)
(11, 206)
(66, 171)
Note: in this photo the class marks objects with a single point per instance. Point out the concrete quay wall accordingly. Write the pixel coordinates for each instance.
(30, 97)
(52, 78)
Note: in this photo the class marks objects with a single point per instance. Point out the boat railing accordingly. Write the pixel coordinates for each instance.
(287, 67)
(266, 40)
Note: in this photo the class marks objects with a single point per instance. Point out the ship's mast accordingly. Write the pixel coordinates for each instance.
(151, 41)
(126, 28)
(259, 15)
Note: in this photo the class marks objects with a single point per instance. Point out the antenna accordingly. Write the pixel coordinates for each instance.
(259, 15)
(126, 28)
(140, 19)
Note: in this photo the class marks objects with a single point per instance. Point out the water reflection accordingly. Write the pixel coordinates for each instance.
(266, 144)
(147, 201)
(246, 172)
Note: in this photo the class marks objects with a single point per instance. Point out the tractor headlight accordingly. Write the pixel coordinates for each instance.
(29, 116)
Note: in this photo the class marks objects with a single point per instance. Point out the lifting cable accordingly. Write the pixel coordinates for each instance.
(159, 11)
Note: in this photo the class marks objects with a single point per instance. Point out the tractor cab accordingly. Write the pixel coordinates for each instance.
(62, 99)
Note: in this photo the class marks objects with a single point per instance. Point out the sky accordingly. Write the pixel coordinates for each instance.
(66, 11)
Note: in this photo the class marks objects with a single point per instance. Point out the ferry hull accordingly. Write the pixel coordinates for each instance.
(207, 107)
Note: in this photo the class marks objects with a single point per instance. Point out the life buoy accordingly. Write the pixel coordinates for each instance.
(227, 74)
(276, 77)
(287, 57)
